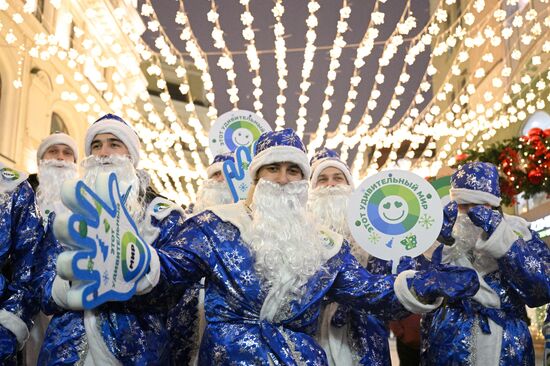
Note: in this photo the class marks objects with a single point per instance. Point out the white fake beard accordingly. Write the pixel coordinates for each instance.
(466, 235)
(51, 175)
(212, 193)
(127, 176)
(328, 206)
(283, 237)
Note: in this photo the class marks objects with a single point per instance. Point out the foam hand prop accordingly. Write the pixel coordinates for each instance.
(485, 218)
(450, 213)
(236, 173)
(105, 256)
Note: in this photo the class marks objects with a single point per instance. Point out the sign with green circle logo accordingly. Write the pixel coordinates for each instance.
(236, 128)
(395, 213)
(443, 187)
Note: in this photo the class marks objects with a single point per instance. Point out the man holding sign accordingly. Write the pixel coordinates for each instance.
(512, 263)
(117, 332)
(268, 267)
(348, 336)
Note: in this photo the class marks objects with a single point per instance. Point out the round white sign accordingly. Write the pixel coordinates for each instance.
(395, 213)
(236, 128)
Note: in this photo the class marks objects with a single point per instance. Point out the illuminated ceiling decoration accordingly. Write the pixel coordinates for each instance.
(487, 68)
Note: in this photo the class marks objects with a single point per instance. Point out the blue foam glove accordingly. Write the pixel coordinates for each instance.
(485, 218)
(450, 213)
(445, 281)
(8, 345)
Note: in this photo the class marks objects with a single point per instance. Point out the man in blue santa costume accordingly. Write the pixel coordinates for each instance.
(20, 234)
(513, 267)
(56, 157)
(348, 335)
(115, 333)
(214, 191)
(268, 268)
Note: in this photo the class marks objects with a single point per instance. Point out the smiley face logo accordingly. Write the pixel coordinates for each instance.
(241, 133)
(393, 209)
(242, 137)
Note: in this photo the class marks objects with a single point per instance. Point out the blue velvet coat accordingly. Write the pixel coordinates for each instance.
(20, 234)
(212, 245)
(521, 276)
(132, 332)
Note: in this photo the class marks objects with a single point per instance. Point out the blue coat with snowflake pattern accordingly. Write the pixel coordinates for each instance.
(213, 245)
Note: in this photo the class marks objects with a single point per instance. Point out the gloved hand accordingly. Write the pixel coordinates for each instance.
(485, 218)
(8, 345)
(450, 213)
(445, 281)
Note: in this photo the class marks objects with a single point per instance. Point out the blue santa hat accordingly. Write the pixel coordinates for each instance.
(277, 147)
(217, 164)
(115, 125)
(477, 183)
(326, 158)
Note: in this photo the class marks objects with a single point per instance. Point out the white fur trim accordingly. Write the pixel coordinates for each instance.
(98, 352)
(279, 154)
(214, 168)
(60, 289)
(236, 214)
(151, 278)
(56, 139)
(334, 340)
(322, 164)
(463, 195)
(406, 297)
(123, 131)
(499, 242)
(16, 325)
(488, 346)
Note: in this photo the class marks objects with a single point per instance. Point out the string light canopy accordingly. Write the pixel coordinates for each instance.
(387, 84)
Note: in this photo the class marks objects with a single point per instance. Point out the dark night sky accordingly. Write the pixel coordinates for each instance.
(295, 29)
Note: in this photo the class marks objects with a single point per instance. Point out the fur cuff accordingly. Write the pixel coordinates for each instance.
(151, 279)
(14, 324)
(60, 289)
(406, 297)
(499, 242)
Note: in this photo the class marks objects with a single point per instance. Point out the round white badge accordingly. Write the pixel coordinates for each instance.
(236, 128)
(395, 213)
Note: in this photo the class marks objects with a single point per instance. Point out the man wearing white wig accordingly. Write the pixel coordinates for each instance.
(115, 333)
(21, 232)
(348, 335)
(56, 157)
(214, 191)
(513, 266)
(267, 268)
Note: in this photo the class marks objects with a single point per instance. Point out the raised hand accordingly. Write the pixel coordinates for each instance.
(450, 213)
(486, 218)
(105, 256)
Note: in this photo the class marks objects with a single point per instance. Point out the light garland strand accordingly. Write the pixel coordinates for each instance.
(252, 55)
(309, 51)
(225, 62)
(335, 53)
(280, 55)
